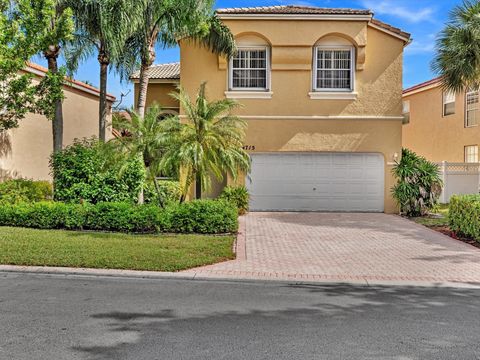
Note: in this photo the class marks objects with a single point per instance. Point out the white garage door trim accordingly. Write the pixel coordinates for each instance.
(317, 181)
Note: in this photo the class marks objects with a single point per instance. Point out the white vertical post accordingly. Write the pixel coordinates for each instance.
(444, 179)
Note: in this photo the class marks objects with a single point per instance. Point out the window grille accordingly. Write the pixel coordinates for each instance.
(334, 69)
(249, 69)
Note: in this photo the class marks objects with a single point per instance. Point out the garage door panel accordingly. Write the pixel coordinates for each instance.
(316, 182)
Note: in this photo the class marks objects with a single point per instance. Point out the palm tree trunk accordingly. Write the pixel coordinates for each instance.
(198, 188)
(57, 123)
(103, 106)
(147, 62)
(142, 89)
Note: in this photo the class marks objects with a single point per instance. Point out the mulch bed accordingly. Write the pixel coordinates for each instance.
(446, 231)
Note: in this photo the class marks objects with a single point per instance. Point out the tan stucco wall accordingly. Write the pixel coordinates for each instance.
(159, 93)
(438, 138)
(32, 141)
(378, 82)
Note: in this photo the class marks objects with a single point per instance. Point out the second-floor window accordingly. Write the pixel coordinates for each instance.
(333, 68)
(472, 109)
(249, 69)
(448, 103)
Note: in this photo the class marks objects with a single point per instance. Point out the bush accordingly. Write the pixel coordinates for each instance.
(419, 184)
(464, 215)
(238, 196)
(168, 192)
(23, 190)
(201, 216)
(81, 173)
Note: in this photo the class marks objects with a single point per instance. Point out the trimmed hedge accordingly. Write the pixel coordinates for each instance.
(464, 215)
(200, 216)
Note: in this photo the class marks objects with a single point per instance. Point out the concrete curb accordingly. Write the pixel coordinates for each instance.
(154, 275)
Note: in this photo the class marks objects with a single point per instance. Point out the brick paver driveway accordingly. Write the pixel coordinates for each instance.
(372, 248)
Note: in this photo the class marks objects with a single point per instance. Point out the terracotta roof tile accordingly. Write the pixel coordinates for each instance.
(390, 28)
(162, 71)
(293, 9)
(32, 66)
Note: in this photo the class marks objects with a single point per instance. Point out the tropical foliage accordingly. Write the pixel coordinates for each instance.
(102, 27)
(81, 173)
(207, 142)
(458, 51)
(237, 195)
(165, 23)
(23, 33)
(144, 140)
(24, 190)
(464, 215)
(419, 184)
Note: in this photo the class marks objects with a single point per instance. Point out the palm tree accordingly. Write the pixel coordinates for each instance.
(102, 28)
(143, 138)
(458, 48)
(165, 23)
(208, 142)
(57, 29)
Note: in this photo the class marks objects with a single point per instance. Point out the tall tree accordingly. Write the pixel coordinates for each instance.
(22, 35)
(102, 28)
(166, 22)
(458, 48)
(208, 142)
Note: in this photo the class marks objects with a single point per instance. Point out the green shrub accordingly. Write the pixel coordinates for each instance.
(168, 192)
(464, 215)
(419, 184)
(24, 190)
(81, 173)
(237, 195)
(201, 216)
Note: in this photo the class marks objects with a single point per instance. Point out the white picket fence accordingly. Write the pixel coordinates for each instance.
(459, 179)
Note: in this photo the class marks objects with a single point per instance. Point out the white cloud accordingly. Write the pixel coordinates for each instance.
(421, 46)
(387, 7)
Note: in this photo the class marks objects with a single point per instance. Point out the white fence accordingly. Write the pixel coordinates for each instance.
(459, 179)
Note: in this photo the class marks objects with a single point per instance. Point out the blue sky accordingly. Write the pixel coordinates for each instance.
(422, 18)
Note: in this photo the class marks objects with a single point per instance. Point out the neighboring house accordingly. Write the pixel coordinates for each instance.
(322, 94)
(440, 125)
(25, 151)
(163, 80)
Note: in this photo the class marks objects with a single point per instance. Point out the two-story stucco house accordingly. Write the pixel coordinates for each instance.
(440, 125)
(322, 94)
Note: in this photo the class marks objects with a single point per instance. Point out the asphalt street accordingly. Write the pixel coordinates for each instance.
(75, 317)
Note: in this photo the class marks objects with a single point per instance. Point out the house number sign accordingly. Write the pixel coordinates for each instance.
(249, 147)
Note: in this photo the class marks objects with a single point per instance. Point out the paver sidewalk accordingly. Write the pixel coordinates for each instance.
(353, 247)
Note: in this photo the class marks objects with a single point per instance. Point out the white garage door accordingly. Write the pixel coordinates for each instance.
(317, 182)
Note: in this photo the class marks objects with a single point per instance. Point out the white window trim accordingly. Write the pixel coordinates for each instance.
(232, 89)
(248, 94)
(315, 69)
(466, 109)
(466, 154)
(444, 103)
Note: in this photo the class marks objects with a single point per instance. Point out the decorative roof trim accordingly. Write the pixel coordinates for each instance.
(426, 85)
(78, 85)
(342, 17)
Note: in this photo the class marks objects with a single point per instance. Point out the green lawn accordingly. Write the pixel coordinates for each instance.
(20, 246)
(437, 219)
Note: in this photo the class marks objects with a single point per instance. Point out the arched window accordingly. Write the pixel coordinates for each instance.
(249, 69)
(333, 65)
